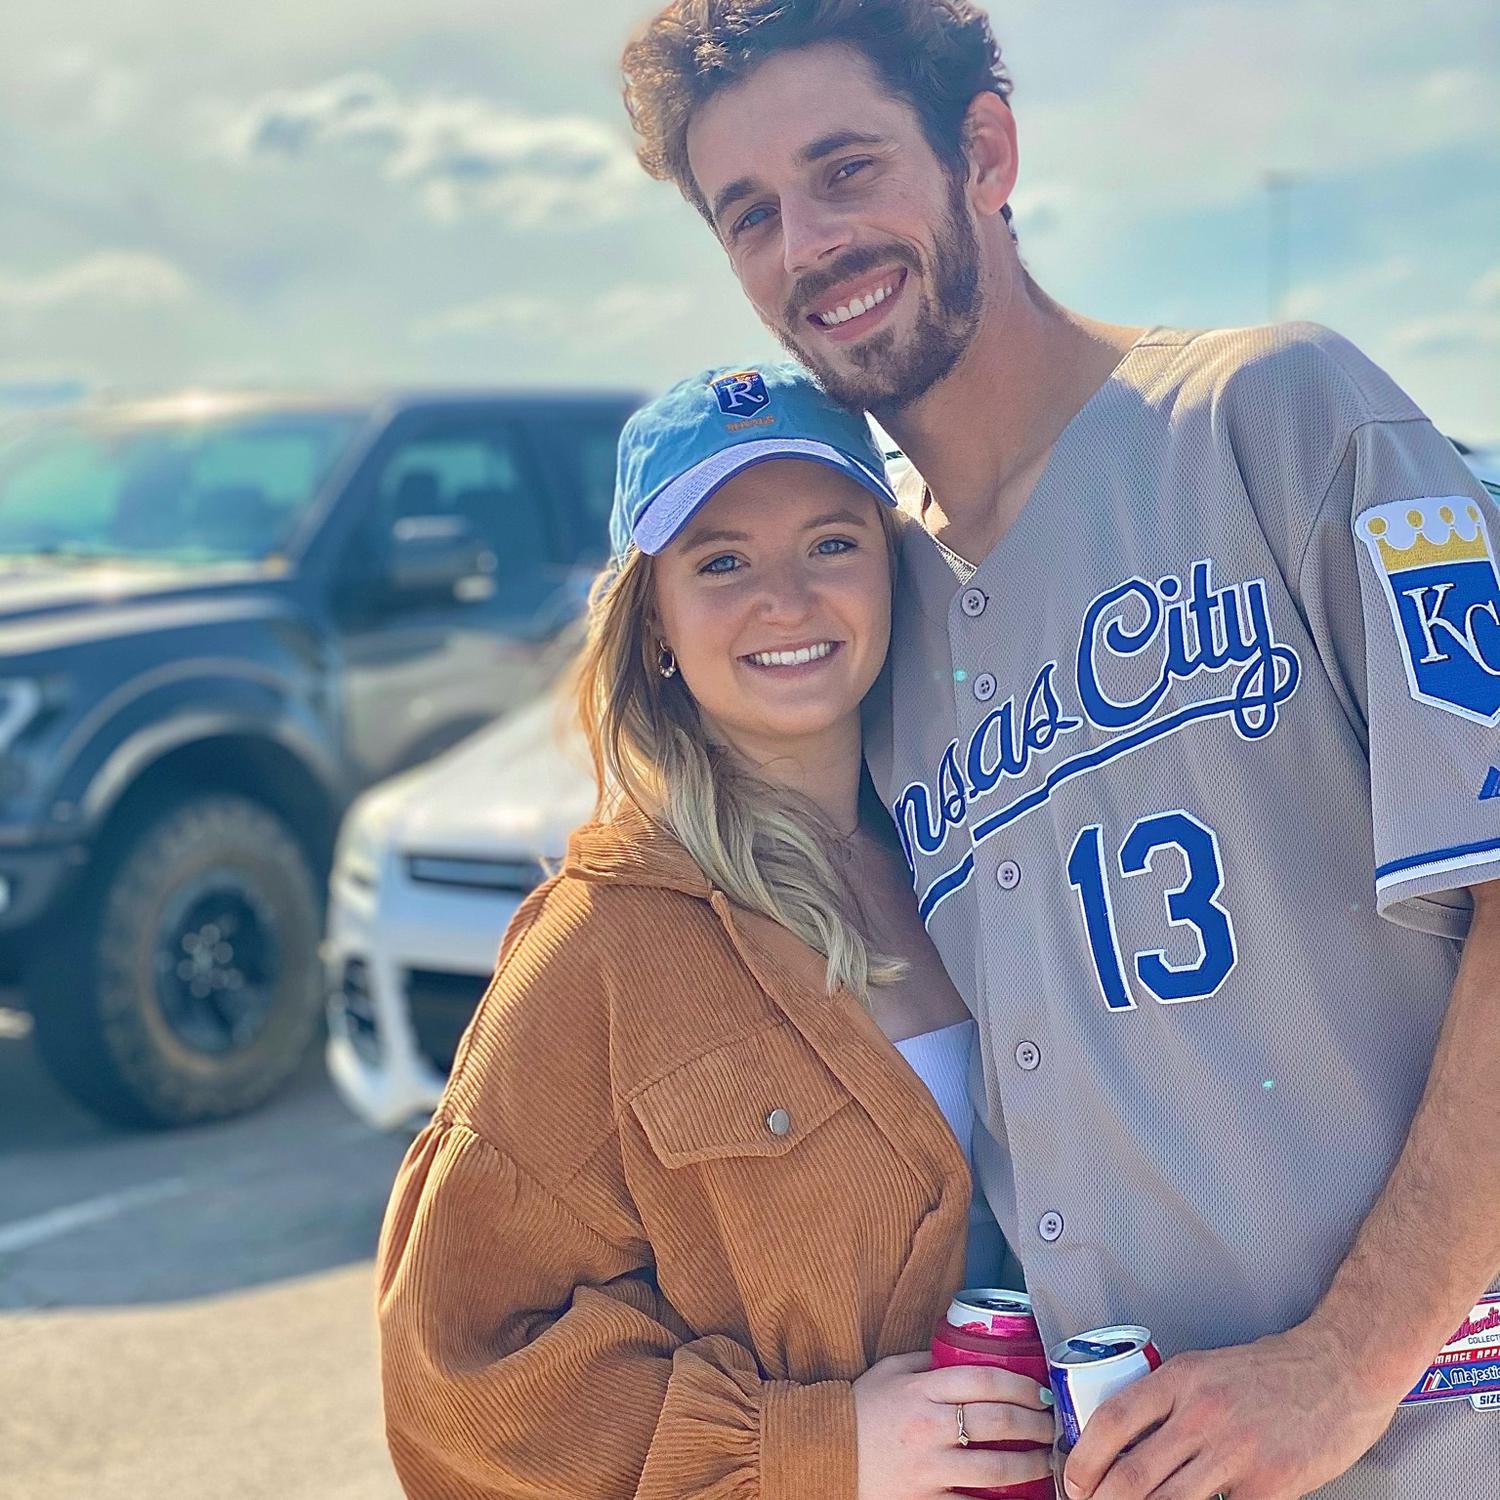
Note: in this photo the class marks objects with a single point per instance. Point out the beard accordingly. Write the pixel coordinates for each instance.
(886, 377)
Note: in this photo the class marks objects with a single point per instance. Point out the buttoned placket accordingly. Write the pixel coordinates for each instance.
(1013, 1020)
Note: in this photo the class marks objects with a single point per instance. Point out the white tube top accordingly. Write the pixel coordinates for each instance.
(941, 1060)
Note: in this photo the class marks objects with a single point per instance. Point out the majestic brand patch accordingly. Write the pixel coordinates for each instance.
(1468, 1364)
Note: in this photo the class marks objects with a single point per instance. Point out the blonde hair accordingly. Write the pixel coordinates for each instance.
(765, 847)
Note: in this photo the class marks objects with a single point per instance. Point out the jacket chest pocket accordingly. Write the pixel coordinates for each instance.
(762, 1095)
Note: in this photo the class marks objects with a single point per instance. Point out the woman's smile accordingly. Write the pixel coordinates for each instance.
(793, 661)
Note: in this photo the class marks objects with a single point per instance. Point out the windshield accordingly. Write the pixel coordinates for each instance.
(226, 489)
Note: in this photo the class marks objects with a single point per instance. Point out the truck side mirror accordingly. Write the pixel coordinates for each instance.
(433, 555)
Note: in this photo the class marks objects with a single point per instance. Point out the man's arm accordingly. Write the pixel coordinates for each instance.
(1279, 1417)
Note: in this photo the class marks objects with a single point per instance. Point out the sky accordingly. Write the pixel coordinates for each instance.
(334, 192)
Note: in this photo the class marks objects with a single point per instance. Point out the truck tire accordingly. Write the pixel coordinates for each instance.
(186, 984)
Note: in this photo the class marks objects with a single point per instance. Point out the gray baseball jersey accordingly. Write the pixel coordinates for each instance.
(1193, 771)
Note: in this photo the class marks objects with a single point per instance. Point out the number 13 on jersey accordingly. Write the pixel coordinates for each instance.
(1194, 904)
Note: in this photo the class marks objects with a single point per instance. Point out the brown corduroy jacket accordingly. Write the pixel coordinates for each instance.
(675, 1199)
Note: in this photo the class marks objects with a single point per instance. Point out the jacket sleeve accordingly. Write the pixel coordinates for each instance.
(526, 1355)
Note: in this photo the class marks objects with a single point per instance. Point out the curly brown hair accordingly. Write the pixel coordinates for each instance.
(936, 55)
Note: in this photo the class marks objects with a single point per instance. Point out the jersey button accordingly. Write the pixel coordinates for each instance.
(1007, 875)
(1050, 1227)
(1028, 1056)
(973, 602)
(984, 687)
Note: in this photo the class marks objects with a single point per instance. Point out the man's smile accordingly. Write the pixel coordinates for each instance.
(853, 308)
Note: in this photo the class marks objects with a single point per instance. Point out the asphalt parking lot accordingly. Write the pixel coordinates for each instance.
(187, 1316)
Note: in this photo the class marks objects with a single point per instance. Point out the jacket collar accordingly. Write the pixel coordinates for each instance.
(631, 849)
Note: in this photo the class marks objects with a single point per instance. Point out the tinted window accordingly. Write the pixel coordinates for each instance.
(473, 470)
(185, 492)
(581, 455)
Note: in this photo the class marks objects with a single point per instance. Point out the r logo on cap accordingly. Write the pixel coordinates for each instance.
(741, 393)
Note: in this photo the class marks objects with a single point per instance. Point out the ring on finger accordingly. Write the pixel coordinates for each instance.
(963, 1435)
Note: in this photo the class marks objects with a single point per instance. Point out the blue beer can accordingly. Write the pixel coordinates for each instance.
(1087, 1370)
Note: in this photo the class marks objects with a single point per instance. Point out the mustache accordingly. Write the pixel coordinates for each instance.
(854, 263)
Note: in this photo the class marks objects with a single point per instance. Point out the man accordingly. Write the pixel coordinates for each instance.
(1193, 695)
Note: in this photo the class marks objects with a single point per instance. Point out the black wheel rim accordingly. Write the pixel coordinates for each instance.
(218, 962)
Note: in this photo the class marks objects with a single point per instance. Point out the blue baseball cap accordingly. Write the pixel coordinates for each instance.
(677, 451)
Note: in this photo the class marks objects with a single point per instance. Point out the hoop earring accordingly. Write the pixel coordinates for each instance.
(666, 661)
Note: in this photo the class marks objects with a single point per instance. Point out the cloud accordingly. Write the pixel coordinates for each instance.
(1462, 89)
(1466, 330)
(462, 155)
(109, 277)
(22, 395)
(1448, 333)
(620, 315)
(1042, 208)
(1486, 291)
(361, 131)
(79, 92)
(1323, 299)
(357, 110)
(1200, 101)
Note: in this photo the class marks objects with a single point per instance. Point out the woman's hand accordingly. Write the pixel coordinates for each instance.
(906, 1416)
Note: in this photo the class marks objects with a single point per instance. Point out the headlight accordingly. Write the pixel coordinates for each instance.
(20, 702)
(357, 857)
(365, 837)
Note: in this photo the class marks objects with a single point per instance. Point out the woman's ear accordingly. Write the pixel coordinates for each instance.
(652, 615)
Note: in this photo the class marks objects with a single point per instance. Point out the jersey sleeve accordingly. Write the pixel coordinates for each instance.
(1401, 583)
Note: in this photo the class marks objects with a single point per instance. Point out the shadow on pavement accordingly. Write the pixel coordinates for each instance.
(92, 1215)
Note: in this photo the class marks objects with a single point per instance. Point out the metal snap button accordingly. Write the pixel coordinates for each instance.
(778, 1122)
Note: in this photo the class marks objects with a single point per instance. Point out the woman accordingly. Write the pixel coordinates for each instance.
(685, 1216)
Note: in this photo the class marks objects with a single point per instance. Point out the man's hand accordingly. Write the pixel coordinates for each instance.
(1271, 1420)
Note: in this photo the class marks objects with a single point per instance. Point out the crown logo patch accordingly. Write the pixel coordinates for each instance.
(1435, 561)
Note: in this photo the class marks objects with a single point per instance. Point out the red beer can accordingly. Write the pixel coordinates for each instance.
(995, 1326)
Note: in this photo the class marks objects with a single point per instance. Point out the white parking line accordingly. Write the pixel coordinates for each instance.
(23, 1234)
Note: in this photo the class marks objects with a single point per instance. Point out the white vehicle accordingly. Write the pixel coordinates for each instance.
(429, 868)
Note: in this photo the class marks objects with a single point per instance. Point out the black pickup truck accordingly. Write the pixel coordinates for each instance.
(221, 618)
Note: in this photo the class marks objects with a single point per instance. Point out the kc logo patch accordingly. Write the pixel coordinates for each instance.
(742, 393)
(1437, 564)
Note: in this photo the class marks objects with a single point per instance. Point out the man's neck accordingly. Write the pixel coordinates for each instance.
(982, 436)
